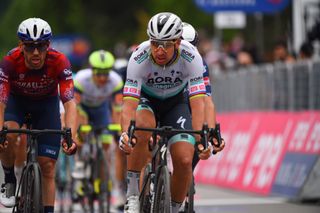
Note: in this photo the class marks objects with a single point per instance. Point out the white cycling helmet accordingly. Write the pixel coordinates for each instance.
(164, 26)
(34, 29)
(189, 34)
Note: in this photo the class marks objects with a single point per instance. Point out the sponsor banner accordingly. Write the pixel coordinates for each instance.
(293, 173)
(306, 133)
(256, 145)
(249, 6)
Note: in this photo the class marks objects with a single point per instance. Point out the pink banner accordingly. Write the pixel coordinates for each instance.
(256, 143)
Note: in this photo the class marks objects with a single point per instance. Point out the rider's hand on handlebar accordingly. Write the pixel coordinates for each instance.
(71, 150)
(216, 147)
(3, 142)
(204, 154)
(3, 146)
(124, 143)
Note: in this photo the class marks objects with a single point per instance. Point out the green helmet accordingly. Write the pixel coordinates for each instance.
(101, 60)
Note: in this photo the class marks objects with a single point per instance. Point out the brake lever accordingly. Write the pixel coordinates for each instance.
(218, 134)
(205, 130)
(131, 129)
(68, 137)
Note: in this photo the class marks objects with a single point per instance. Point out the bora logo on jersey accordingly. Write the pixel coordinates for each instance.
(141, 57)
(187, 55)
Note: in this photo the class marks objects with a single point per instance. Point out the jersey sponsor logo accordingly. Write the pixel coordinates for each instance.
(35, 85)
(67, 72)
(141, 57)
(197, 89)
(187, 55)
(164, 82)
(194, 88)
(2, 74)
(68, 94)
(3, 79)
(131, 91)
(130, 82)
(21, 76)
(181, 121)
(3, 94)
(50, 151)
(206, 81)
(196, 80)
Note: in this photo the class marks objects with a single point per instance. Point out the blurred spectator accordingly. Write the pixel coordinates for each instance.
(314, 34)
(306, 51)
(281, 53)
(244, 58)
(236, 46)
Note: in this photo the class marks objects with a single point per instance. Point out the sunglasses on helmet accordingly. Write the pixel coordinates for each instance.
(31, 46)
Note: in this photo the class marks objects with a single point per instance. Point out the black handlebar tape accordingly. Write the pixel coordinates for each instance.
(68, 137)
(131, 131)
(218, 134)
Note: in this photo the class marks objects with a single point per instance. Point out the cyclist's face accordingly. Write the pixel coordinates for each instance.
(34, 54)
(163, 51)
(100, 79)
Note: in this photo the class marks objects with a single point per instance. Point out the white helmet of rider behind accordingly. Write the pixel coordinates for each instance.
(34, 29)
(189, 34)
(164, 26)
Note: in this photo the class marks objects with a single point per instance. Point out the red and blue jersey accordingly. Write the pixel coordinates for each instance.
(17, 79)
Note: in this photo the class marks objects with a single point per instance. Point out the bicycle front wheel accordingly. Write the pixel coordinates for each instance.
(144, 198)
(104, 187)
(31, 197)
(162, 200)
(190, 204)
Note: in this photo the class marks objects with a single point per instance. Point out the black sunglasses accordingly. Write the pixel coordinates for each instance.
(30, 47)
(101, 72)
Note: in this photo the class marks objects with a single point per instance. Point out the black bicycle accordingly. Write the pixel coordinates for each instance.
(28, 195)
(188, 205)
(96, 184)
(155, 195)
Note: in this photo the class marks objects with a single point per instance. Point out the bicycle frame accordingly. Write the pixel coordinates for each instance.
(159, 165)
(94, 161)
(31, 173)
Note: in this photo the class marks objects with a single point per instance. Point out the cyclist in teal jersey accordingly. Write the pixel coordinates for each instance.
(158, 73)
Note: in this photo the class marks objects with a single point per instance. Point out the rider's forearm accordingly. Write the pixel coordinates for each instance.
(197, 106)
(2, 107)
(128, 113)
(70, 116)
(210, 116)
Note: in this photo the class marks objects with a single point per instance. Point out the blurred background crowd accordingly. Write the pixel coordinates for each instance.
(271, 31)
(82, 26)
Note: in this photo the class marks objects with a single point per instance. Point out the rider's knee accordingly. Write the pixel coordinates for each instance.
(47, 168)
(184, 163)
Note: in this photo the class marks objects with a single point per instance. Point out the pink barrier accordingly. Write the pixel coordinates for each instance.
(256, 143)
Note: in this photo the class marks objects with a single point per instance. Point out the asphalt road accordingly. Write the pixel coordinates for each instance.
(210, 199)
(213, 199)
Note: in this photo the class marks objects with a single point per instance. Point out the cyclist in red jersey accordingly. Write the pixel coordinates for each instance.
(29, 78)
